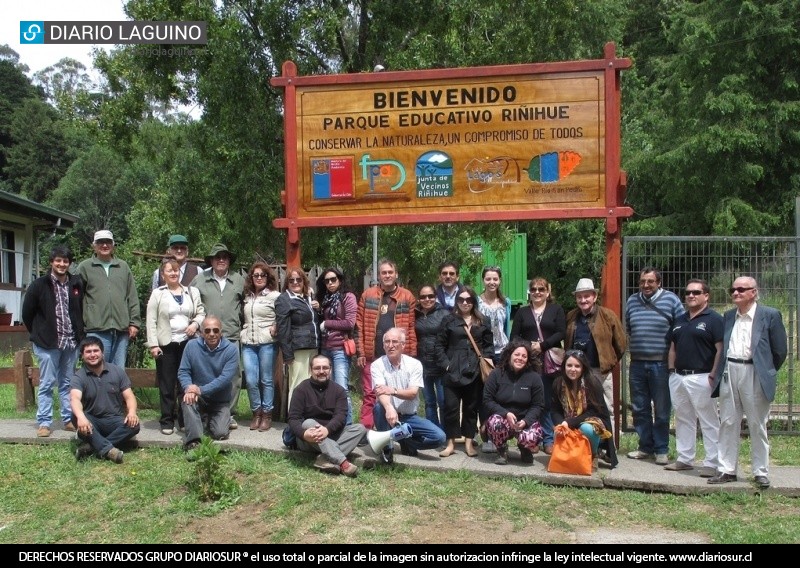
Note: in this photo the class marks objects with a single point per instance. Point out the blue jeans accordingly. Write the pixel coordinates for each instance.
(649, 384)
(434, 398)
(115, 345)
(546, 420)
(107, 432)
(341, 375)
(426, 435)
(56, 367)
(258, 367)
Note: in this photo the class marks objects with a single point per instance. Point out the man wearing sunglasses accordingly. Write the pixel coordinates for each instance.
(449, 286)
(649, 317)
(222, 293)
(753, 349)
(208, 367)
(694, 360)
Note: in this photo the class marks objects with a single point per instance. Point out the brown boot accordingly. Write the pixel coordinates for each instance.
(256, 422)
(266, 422)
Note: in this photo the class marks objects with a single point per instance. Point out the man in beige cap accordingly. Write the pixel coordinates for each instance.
(110, 301)
(598, 332)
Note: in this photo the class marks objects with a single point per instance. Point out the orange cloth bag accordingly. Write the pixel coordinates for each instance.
(572, 452)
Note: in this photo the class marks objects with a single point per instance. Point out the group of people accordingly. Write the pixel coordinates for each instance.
(551, 367)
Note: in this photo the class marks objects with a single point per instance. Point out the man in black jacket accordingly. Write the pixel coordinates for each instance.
(317, 416)
(53, 314)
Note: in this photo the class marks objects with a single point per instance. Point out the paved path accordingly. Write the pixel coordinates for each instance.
(629, 474)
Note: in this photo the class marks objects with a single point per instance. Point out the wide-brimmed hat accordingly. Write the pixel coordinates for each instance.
(585, 285)
(218, 248)
(104, 235)
(177, 240)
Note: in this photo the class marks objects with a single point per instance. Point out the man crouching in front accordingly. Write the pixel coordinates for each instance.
(103, 404)
(317, 417)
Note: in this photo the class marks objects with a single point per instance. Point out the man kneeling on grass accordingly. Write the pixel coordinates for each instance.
(317, 418)
(103, 404)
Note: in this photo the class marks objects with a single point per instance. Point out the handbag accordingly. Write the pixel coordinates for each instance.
(349, 346)
(486, 364)
(572, 452)
(553, 358)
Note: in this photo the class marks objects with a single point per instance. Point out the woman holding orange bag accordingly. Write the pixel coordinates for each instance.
(578, 404)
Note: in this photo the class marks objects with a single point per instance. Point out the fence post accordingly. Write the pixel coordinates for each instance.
(23, 363)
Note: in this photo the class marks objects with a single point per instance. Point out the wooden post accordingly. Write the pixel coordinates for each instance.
(23, 364)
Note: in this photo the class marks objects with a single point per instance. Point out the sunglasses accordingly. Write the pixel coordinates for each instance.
(331, 280)
(465, 300)
(741, 289)
(540, 289)
(427, 296)
(259, 275)
(295, 280)
(213, 330)
(694, 292)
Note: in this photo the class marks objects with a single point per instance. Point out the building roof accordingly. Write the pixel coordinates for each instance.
(52, 218)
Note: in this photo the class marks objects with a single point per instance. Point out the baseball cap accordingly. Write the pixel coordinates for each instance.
(177, 240)
(104, 235)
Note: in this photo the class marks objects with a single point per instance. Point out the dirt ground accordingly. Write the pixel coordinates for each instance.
(248, 524)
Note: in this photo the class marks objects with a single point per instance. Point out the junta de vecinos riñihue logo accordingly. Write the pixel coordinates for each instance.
(114, 33)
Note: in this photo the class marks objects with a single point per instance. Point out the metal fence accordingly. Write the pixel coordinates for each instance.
(772, 261)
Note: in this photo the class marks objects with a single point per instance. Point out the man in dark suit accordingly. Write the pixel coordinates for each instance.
(753, 348)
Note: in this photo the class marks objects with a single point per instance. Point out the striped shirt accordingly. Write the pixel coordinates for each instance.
(649, 330)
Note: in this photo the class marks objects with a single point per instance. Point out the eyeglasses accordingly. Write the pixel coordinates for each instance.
(647, 281)
(331, 280)
(741, 289)
(295, 280)
(392, 342)
(213, 330)
(321, 368)
(427, 296)
(446, 273)
(694, 292)
(539, 289)
(259, 275)
(464, 300)
(104, 243)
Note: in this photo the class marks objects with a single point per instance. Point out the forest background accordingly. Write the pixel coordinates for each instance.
(710, 124)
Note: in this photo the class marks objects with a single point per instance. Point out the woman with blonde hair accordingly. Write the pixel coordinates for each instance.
(298, 326)
(174, 315)
(258, 342)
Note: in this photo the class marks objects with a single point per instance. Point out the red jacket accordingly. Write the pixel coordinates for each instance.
(367, 317)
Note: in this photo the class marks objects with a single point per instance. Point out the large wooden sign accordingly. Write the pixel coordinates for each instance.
(491, 143)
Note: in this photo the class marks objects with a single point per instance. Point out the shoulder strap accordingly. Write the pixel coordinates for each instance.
(651, 306)
(474, 345)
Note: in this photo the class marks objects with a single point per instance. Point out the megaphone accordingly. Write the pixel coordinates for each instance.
(378, 440)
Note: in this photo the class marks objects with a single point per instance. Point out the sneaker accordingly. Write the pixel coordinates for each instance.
(662, 459)
(679, 466)
(233, 425)
(69, 427)
(322, 464)
(640, 455)
(348, 469)
(114, 455)
(488, 447)
(387, 455)
(84, 451)
(167, 431)
(43, 432)
(502, 455)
